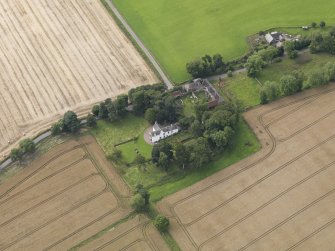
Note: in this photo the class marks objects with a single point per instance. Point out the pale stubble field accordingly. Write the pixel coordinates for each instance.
(57, 56)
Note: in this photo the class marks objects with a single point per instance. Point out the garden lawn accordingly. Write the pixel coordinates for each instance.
(110, 134)
(129, 149)
(177, 32)
(245, 144)
(241, 86)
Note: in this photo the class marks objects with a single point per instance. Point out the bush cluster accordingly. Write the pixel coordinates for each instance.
(25, 146)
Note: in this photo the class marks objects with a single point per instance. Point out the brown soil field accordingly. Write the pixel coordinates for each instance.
(138, 233)
(282, 198)
(59, 55)
(65, 197)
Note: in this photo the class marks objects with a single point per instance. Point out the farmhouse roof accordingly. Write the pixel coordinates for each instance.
(157, 129)
(269, 38)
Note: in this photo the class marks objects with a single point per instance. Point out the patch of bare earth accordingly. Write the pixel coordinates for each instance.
(282, 198)
(56, 56)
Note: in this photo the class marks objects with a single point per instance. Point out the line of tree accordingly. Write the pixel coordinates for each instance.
(288, 85)
(206, 66)
(296, 81)
(111, 110)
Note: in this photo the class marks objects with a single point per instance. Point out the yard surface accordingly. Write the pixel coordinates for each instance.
(57, 56)
(67, 196)
(282, 197)
(177, 32)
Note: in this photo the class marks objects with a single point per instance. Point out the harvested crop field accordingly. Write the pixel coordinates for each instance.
(62, 199)
(60, 55)
(282, 198)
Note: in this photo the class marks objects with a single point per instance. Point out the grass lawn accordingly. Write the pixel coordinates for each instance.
(245, 144)
(129, 149)
(305, 62)
(244, 88)
(177, 31)
(189, 102)
(109, 134)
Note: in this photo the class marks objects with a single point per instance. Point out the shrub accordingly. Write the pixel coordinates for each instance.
(27, 146)
(230, 74)
(16, 154)
(138, 203)
(161, 223)
(95, 110)
(71, 122)
(91, 120)
(115, 155)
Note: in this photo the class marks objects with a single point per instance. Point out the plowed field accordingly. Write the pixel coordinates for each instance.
(64, 198)
(282, 198)
(57, 55)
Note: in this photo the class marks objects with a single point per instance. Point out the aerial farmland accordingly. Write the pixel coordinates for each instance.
(57, 56)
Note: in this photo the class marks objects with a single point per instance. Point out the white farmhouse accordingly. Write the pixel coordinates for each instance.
(159, 132)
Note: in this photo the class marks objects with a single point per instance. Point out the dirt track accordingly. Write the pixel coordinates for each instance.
(60, 55)
(65, 197)
(282, 198)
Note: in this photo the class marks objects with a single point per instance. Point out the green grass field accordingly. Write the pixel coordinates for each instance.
(129, 149)
(110, 134)
(179, 31)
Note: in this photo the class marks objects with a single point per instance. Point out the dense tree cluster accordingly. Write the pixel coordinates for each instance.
(111, 110)
(69, 123)
(25, 146)
(212, 132)
(323, 42)
(155, 104)
(206, 66)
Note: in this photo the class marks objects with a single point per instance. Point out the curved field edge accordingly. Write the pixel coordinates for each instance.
(245, 144)
(180, 31)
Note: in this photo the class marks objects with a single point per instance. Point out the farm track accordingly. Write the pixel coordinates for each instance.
(305, 101)
(58, 56)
